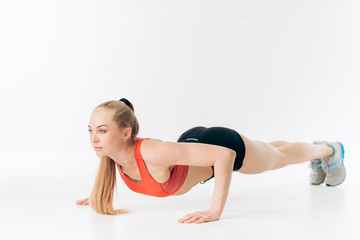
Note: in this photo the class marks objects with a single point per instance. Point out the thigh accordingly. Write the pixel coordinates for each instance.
(278, 143)
(260, 157)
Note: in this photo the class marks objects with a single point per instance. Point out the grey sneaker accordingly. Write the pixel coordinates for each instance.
(334, 165)
(317, 174)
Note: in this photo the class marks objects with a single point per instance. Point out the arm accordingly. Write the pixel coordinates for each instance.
(167, 154)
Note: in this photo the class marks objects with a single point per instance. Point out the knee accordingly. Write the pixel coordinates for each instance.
(281, 159)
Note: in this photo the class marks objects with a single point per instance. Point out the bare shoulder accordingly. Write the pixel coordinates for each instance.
(151, 151)
(160, 153)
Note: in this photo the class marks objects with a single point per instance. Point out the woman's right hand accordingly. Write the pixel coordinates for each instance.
(84, 201)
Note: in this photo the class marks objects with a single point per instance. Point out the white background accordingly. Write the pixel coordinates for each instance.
(272, 70)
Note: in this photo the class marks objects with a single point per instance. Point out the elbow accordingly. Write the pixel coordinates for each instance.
(231, 155)
(227, 160)
(226, 156)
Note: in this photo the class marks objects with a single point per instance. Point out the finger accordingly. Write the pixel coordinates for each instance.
(198, 218)
(205, 219)
(201, 220)
(181, 220)
(193, 219)
(81, 201)
(186, 217)
(86, 202)
(189, 216)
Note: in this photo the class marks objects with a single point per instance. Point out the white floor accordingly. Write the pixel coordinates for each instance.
(61, 55)
(37, 204)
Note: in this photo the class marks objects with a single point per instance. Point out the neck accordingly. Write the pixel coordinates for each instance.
(124, 155)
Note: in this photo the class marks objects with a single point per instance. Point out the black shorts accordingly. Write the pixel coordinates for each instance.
(219, 136)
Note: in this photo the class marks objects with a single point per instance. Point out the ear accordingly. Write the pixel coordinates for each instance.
(127, 133)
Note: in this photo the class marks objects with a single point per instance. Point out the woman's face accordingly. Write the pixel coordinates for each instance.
(105, 136)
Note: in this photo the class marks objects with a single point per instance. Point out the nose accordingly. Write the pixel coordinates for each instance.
(94, 138)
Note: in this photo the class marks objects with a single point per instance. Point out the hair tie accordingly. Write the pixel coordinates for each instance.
(124, 100)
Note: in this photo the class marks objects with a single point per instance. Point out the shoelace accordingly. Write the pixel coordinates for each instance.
(314, 165)
(326, 166)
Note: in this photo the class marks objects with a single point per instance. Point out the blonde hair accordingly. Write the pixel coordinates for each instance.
(101, 199)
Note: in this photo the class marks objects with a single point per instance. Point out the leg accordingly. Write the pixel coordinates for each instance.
(278, 143)
(261, 156)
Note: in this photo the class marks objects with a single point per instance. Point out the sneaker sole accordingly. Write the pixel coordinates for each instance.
(317, 183)
(342, 162)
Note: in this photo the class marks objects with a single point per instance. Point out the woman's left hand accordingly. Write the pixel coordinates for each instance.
(84, 201)
(200, 217)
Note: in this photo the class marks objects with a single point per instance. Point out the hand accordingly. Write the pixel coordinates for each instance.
(84, 201)
(200, 217)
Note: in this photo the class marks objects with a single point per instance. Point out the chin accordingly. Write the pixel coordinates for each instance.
(100, 154)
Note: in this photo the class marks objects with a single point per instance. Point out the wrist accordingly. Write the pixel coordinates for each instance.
(215, 211)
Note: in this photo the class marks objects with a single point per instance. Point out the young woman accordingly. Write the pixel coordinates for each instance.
(161, 169)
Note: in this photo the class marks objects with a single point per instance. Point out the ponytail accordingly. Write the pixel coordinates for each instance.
(101, 199)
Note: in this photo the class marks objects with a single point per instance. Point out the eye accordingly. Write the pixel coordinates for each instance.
(102, 131)
(90, 131)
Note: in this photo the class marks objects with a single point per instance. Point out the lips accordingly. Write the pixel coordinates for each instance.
(97, 148)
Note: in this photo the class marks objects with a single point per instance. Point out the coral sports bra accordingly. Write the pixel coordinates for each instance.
(148, 185)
